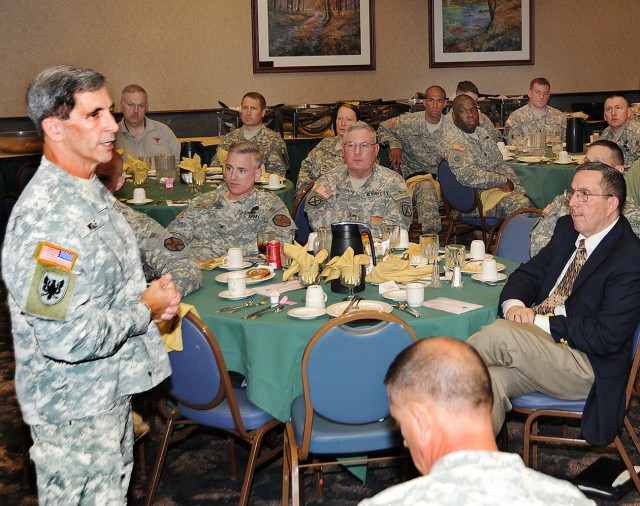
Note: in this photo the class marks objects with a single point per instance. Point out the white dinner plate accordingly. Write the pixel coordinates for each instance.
(476, 266)
(226, 294)
(306, 313)
(244, 266)
(364, 305)
(487, 256)
(558, 162)
(532, 159)
(397, 295)
(478, 277)
(280, 187)
(222, 278)
(135, 203)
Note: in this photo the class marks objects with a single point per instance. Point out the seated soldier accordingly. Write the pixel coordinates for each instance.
(471, 90)
(622, 129)
(233, 214)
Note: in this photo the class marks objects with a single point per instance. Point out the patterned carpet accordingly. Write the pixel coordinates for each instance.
(197, 472)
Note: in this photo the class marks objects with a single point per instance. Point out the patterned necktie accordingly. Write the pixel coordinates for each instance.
(563, 290)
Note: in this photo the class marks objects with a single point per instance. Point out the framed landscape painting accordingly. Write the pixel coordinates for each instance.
(313, 35)
(481, 33)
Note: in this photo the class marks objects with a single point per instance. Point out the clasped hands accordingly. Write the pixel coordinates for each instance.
(163, 299)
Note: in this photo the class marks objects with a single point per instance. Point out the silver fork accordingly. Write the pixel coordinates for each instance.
(233, 308)
(276, 309)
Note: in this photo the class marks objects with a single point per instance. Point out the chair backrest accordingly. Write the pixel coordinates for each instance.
(514, 236)
(461, 198)
(300, 217)
(634, 365)
(343, 366)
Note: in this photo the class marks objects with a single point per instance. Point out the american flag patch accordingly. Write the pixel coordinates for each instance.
(323, 192)
(55, 255)
(548, 209)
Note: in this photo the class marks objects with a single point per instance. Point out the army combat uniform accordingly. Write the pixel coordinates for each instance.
(212, 224)
(476, 162)
(320, 160)
(276, 159)
(524, 122)
(628, 140)
(83, 339)
(384, 194)
(162, 254)
(485, 123)
(420, 155)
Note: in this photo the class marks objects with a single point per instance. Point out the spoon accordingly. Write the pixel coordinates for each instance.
(403, 306)
(232, 308)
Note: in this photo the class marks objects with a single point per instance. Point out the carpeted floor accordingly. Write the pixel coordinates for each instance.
(197, 472)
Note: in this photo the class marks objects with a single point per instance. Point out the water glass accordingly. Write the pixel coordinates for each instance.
(454, 253)
(429, 246)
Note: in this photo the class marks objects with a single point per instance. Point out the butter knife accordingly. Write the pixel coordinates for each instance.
(260, 311)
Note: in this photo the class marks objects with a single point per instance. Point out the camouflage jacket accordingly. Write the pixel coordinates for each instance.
(485, 123)
(320, 160)
(628, 140)
(524, 122)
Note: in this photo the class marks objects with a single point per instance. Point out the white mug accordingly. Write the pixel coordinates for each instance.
(415, 294)
(139, 195)
(404, 239)
(315, 296)
(274, 181)
(234, 259)
(563, 157)
(237, 283)
(476, 250)
(489, 270)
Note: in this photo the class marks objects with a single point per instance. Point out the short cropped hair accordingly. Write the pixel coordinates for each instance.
(435, 87)
(542, 81)
(612, 181)
(617, 95)
(250, 148)
(53, 92)
(359, 125)
(132, 88)
(616, 151)
(467, 87)
(256, 96)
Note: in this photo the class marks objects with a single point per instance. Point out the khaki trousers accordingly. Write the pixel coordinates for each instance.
(522, 358)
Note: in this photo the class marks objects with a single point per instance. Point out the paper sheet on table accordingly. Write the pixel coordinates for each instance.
(450, 305)
(286, 286)
(177, 203)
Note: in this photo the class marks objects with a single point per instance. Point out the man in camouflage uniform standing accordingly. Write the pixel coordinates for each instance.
(476, 162)
(537, 116)
(233, 214)
(81, 311)
(602, 151)
(622, 129)
(254, 107)
(160, 253)
(413, 140)
(360, 190)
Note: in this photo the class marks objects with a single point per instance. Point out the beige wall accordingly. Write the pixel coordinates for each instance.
(190, 54)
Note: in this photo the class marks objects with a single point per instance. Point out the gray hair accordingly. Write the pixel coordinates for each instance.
(52, 91)
(248, 148)
(359, 125)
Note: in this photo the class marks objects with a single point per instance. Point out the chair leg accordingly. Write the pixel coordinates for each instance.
(157, 468)
(142, 456)
(286, 470)
(251, 465)
(233, 463)
(317, 474)
(534, 446)
(627, 462)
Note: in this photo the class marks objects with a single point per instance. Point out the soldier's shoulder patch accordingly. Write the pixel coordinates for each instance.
(51, 292)
(57, 256)
(393, 122)
(456, 157)
(281, 220)
(323, 191)
(315, 200)
(459, 147)
(174, 244)
(548, 209)
(400, 195)
(407, 210)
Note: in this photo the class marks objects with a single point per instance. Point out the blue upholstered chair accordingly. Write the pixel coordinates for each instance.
(202, 395)
(300, 217)
(537, 405)
(514, 236)
(344, 410)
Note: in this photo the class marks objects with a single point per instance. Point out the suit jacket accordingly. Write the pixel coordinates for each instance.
(603, 312)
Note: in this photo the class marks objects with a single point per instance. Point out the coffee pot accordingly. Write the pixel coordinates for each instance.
(345, 234)
(576, 135)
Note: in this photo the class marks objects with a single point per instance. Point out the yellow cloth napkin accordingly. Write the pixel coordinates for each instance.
(222, 157)
(209, 265)
(412, 181)
(171, 331)
(491, 197)
(347, 259)
(133, 163)
(396, 269)
(298, 253)
(192, 164)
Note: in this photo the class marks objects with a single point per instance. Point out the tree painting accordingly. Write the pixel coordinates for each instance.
(471, 26)
(314, 27)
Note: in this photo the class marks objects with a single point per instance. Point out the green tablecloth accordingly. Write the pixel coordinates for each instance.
(269, 350)
(543, 182)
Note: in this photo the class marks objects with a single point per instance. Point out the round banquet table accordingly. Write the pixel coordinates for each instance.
(544, 182)
(164, 214)
(268, 350)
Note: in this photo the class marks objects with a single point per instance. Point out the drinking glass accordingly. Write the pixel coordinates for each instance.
(350, 277)
(262, 238)
(391, 233)
(429, 246)
(140, 177)
(454, 253)
(556, 147)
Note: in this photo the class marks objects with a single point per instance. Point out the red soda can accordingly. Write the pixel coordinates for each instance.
(273, 255)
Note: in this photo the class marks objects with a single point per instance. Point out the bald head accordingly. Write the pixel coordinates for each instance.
(465, 113)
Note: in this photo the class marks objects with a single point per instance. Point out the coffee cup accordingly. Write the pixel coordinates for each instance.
(415, 294)
(489, 270)
(476, 250)
(234, 259)
(564, 157)
(274, 181)
(237, 283)
(501, 145)
(315, 297)
(139, 196)
(403, 243)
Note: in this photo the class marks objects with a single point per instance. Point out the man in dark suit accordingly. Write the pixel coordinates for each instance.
(575, 342)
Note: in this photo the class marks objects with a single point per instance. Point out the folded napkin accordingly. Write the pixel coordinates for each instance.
(171, 331)
(491, 197)
(346, 260)
(133, 163)
(396, 269)
(578, 114)
(222, 157)
(192, 164)
(209, 265)
(301, 259)
(413, 181)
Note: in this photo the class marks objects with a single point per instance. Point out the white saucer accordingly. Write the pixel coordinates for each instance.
(222, 278)
(558, 162)
(476, 267)
(307, 313)
(280, 187)
(225, 294)
(336, 309)
(478, 277)
(135, 203)
(244, 266)
(487, 256)
(397, 295)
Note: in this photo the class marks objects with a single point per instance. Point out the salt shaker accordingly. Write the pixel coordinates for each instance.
(435, 275)
(274, 298)
(456, 280)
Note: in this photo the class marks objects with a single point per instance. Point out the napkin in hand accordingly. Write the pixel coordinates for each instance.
(396, 269)
(347, 259)
(171, 331)
(209, 265)
(299, 255)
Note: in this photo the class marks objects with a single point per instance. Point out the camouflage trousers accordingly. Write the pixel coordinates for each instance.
(426, 203)
(86, 461)
(507, 205)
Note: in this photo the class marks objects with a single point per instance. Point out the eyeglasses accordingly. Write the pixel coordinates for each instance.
(364, 146)
(583, 195)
